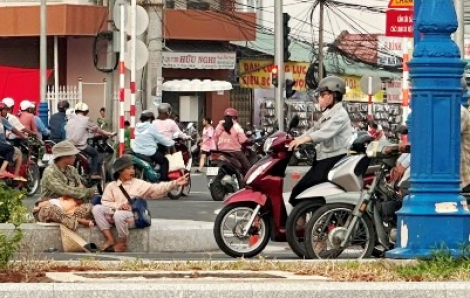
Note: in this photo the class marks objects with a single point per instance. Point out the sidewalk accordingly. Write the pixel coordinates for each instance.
(236, 288)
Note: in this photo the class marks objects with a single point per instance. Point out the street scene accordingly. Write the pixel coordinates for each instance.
(221, 148)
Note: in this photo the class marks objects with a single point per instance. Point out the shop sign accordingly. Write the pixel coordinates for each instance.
(394, 93)
(225, 60)
(390, 50)
(354, 92)
(256, 74)
(399, 23)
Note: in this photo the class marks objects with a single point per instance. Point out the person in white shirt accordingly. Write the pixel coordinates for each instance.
(12, 119)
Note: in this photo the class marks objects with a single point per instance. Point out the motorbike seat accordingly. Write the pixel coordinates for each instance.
(143, 157)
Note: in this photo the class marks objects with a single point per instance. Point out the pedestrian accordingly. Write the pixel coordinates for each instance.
(101, 121)
(57, 122)
(208, 143)
(61, 181)
(115, 208)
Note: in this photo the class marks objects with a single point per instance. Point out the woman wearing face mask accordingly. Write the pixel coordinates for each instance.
(331, 134)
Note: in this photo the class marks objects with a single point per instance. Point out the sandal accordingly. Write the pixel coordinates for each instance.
(7, 175)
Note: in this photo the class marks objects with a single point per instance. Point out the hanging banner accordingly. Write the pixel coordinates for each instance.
(394, 92)
(354, 92)
(256, 74)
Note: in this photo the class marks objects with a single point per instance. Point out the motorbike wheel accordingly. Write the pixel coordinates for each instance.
(187, 188)
(176, 193)
(33, 176)
(253, 243)
(327, 236)
(296, 234)
(218, 190)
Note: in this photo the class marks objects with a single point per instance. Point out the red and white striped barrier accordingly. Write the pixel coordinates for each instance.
(405, 84)
(122, 72)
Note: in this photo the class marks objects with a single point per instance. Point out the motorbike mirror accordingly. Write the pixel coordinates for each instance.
(294, 122)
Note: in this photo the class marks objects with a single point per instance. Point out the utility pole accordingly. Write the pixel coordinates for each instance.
(154, 74)
(459, 34)
(43, 107)
(320, 41)
(279, 61)
(111, 60)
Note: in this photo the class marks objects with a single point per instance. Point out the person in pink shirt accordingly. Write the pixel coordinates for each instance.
(165, 125)
(207, 144)
(229, 137)
(26, 118)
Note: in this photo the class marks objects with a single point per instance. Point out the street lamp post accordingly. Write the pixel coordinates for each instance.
(43, 106)
(434, 215)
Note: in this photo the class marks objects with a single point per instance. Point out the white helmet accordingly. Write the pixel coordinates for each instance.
(81, 106)
(9, 102)
(25, 104)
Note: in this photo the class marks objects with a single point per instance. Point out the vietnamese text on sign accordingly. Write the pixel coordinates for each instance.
(199, 60)
(257, 74)
(400, 4)
(399, 23)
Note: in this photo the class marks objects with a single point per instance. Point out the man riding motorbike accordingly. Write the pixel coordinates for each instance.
(331, 133)
(146, 140)
(165, 125)
(57, 122)
(229, 137)
(77, 129)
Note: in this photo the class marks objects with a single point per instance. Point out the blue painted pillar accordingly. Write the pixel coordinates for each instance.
(416, 32)
(44, 112)
(433, 215)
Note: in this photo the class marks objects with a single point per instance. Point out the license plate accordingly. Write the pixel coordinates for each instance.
(212, 171)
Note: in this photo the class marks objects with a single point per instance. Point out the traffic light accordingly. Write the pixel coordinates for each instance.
(289, 88)
(275, 76)
(286, 31)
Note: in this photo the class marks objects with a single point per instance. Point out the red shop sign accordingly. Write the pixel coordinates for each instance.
(399, 23)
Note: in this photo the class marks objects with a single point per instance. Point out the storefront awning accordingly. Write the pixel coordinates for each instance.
(196, 85)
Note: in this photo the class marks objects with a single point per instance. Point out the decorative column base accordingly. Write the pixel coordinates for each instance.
(444, 225)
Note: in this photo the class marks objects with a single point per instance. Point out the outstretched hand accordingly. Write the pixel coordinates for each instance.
(182, 180)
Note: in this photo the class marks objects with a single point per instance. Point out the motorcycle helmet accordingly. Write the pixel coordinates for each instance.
(25, 104)
(231, 112)
(63, 105)
(81, 106)
(146, 115)
(9, 102)
(164, 108)
(332, 84)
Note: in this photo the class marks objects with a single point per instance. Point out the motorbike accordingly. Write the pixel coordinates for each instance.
(365, 220)
(29, 168)
(83, 164)
(260, 211)
(254, 151)
(148, 170)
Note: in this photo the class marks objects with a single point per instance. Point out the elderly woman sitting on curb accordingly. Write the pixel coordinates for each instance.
(64, 199)
(115, 208)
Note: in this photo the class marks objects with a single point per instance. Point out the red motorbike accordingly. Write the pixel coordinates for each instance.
(259, 212)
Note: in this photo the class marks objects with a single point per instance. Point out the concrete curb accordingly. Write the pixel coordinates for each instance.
(236, 289)
(162, 236)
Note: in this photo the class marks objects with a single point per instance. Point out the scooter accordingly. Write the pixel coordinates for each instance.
(83, 164)
(366, 221)
(29, 167)
(258, 213)
(147, 170)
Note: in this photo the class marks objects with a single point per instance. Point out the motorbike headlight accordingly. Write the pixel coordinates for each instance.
(251, 177)
(268, 143)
